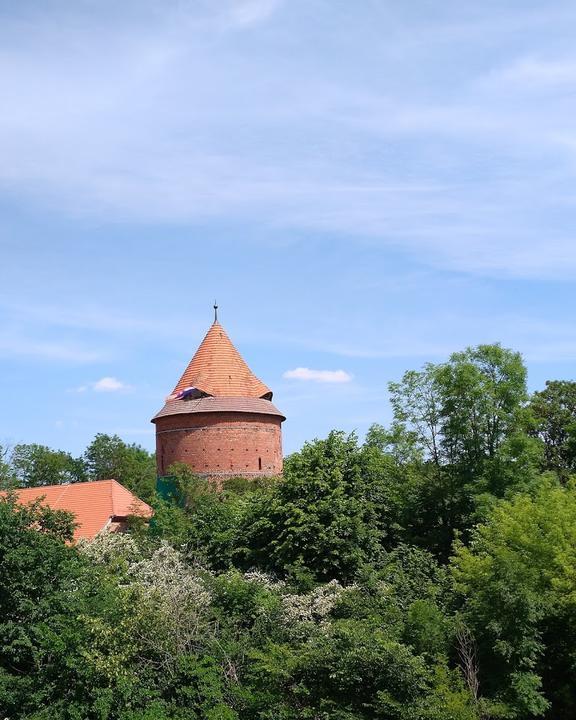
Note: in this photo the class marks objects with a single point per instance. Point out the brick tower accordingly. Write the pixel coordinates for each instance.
(219, 419)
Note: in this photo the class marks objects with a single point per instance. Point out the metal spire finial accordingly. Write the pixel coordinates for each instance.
(215, 311)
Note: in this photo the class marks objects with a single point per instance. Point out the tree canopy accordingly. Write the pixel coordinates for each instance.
(425, 572)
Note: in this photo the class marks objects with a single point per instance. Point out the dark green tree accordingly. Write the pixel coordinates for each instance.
(320, 519)
(35, 465)
(7, 477)
(554, 423)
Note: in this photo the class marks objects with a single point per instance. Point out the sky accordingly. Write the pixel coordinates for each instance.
(363, 186)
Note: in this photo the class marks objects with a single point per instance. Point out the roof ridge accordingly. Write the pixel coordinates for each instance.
(81, 482)
(111, 486)
(61, 495)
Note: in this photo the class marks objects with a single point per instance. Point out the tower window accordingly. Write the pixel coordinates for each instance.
(260, 463)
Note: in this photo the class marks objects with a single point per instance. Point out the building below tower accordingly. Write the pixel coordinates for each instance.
(219, 419)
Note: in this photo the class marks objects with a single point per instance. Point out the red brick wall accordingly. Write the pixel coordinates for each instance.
(221, 444)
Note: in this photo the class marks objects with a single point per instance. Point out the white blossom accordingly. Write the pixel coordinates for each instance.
(107, 547)
(167, 579)
(313, 607)
(266, 581)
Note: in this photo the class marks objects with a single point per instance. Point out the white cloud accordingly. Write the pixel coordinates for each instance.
(322, 376)
(109, 384)
(105, 384)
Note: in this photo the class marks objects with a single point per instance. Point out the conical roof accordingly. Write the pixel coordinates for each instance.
(219, 370)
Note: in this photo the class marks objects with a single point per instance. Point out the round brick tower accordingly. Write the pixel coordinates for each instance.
(219, 419)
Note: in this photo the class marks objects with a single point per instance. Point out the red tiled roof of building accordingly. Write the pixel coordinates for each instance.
(218, 369)
(95, 504)
(258, 406)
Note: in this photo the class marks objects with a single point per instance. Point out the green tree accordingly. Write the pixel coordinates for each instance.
(365, 651)
(461, 412)
(35, 569)
(108, 456)
(482, 391)
(554, 423)
(319, 518)
(464, 420)
(7, 478)
(35, 465)
(517, 585)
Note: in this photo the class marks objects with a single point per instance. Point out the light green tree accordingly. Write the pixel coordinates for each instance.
(517, 584)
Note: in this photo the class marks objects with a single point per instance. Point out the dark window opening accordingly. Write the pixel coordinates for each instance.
(259, 463)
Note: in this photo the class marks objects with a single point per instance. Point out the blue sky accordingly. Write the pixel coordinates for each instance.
(364, 186)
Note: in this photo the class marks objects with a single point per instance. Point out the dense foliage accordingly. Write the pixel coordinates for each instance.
(426, 573)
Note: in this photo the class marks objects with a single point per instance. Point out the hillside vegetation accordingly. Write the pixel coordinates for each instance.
(426, 573)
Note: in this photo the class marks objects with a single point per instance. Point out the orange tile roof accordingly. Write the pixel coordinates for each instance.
(95, 504)
(218, 369)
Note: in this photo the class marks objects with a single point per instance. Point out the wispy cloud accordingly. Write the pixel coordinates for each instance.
(184, 121)
(85, 316)
(246, 13)
(535, 73)
(15, 346)
(322, 376)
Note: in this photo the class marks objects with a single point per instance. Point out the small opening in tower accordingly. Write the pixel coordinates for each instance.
(259, 463)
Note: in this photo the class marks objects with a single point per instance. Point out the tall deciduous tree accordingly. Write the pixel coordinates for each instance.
(465, 418)
(461, 412)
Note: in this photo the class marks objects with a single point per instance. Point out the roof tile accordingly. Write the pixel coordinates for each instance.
(218, 369)
(94, 504)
